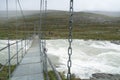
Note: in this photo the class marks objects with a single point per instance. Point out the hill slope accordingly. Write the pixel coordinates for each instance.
(86, 25)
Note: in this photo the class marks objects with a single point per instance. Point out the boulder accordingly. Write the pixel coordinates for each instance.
(104, 76)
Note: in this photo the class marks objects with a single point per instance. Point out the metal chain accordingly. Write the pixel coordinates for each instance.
(69, 63)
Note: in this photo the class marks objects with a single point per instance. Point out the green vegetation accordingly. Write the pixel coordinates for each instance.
(51, 75)
(55, 25)
(9, 29)
(85, 26)
(4, 72)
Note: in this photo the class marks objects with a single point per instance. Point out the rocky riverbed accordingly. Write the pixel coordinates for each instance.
(104, 76)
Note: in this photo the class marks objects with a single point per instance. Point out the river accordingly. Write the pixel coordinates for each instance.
(89, 56)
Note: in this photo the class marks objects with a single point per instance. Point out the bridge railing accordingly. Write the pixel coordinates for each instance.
(11, 55)
(52, 66)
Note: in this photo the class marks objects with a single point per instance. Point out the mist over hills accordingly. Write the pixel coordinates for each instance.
(13, 13)
(92, 17)
(84, 16)
(30, 12)
(107, 13)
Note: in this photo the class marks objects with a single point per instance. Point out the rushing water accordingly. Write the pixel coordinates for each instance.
(88, 56)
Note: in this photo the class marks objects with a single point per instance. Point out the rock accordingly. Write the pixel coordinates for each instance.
(116, 42)
(104, 76)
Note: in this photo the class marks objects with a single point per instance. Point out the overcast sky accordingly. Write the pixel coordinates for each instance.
(79, 5)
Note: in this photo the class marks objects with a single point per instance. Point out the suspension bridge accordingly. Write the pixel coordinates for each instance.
(26, 57)
(29, 61)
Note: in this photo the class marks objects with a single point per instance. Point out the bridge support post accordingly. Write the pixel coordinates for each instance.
(45, 64)
(9, 61)
(25, 45)
(17, 52)
(22, 49)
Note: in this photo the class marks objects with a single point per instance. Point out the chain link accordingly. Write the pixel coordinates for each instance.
(69, 63)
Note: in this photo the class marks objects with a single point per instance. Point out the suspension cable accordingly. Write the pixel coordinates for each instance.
(25, 24)
(45, 15)
(21, 10)
(40, 24)
(69, 63)
(16, 21)
(16, 32)
(9, 63)
(46, 70)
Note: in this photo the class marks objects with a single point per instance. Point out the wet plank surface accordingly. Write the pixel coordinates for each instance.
(31, 67)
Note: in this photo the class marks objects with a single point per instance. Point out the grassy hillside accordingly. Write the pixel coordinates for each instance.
(55, 25)
(86, 26)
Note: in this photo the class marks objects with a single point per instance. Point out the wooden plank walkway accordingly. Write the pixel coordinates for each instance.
(31, 67)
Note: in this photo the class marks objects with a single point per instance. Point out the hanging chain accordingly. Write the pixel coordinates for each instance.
(69, 63)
